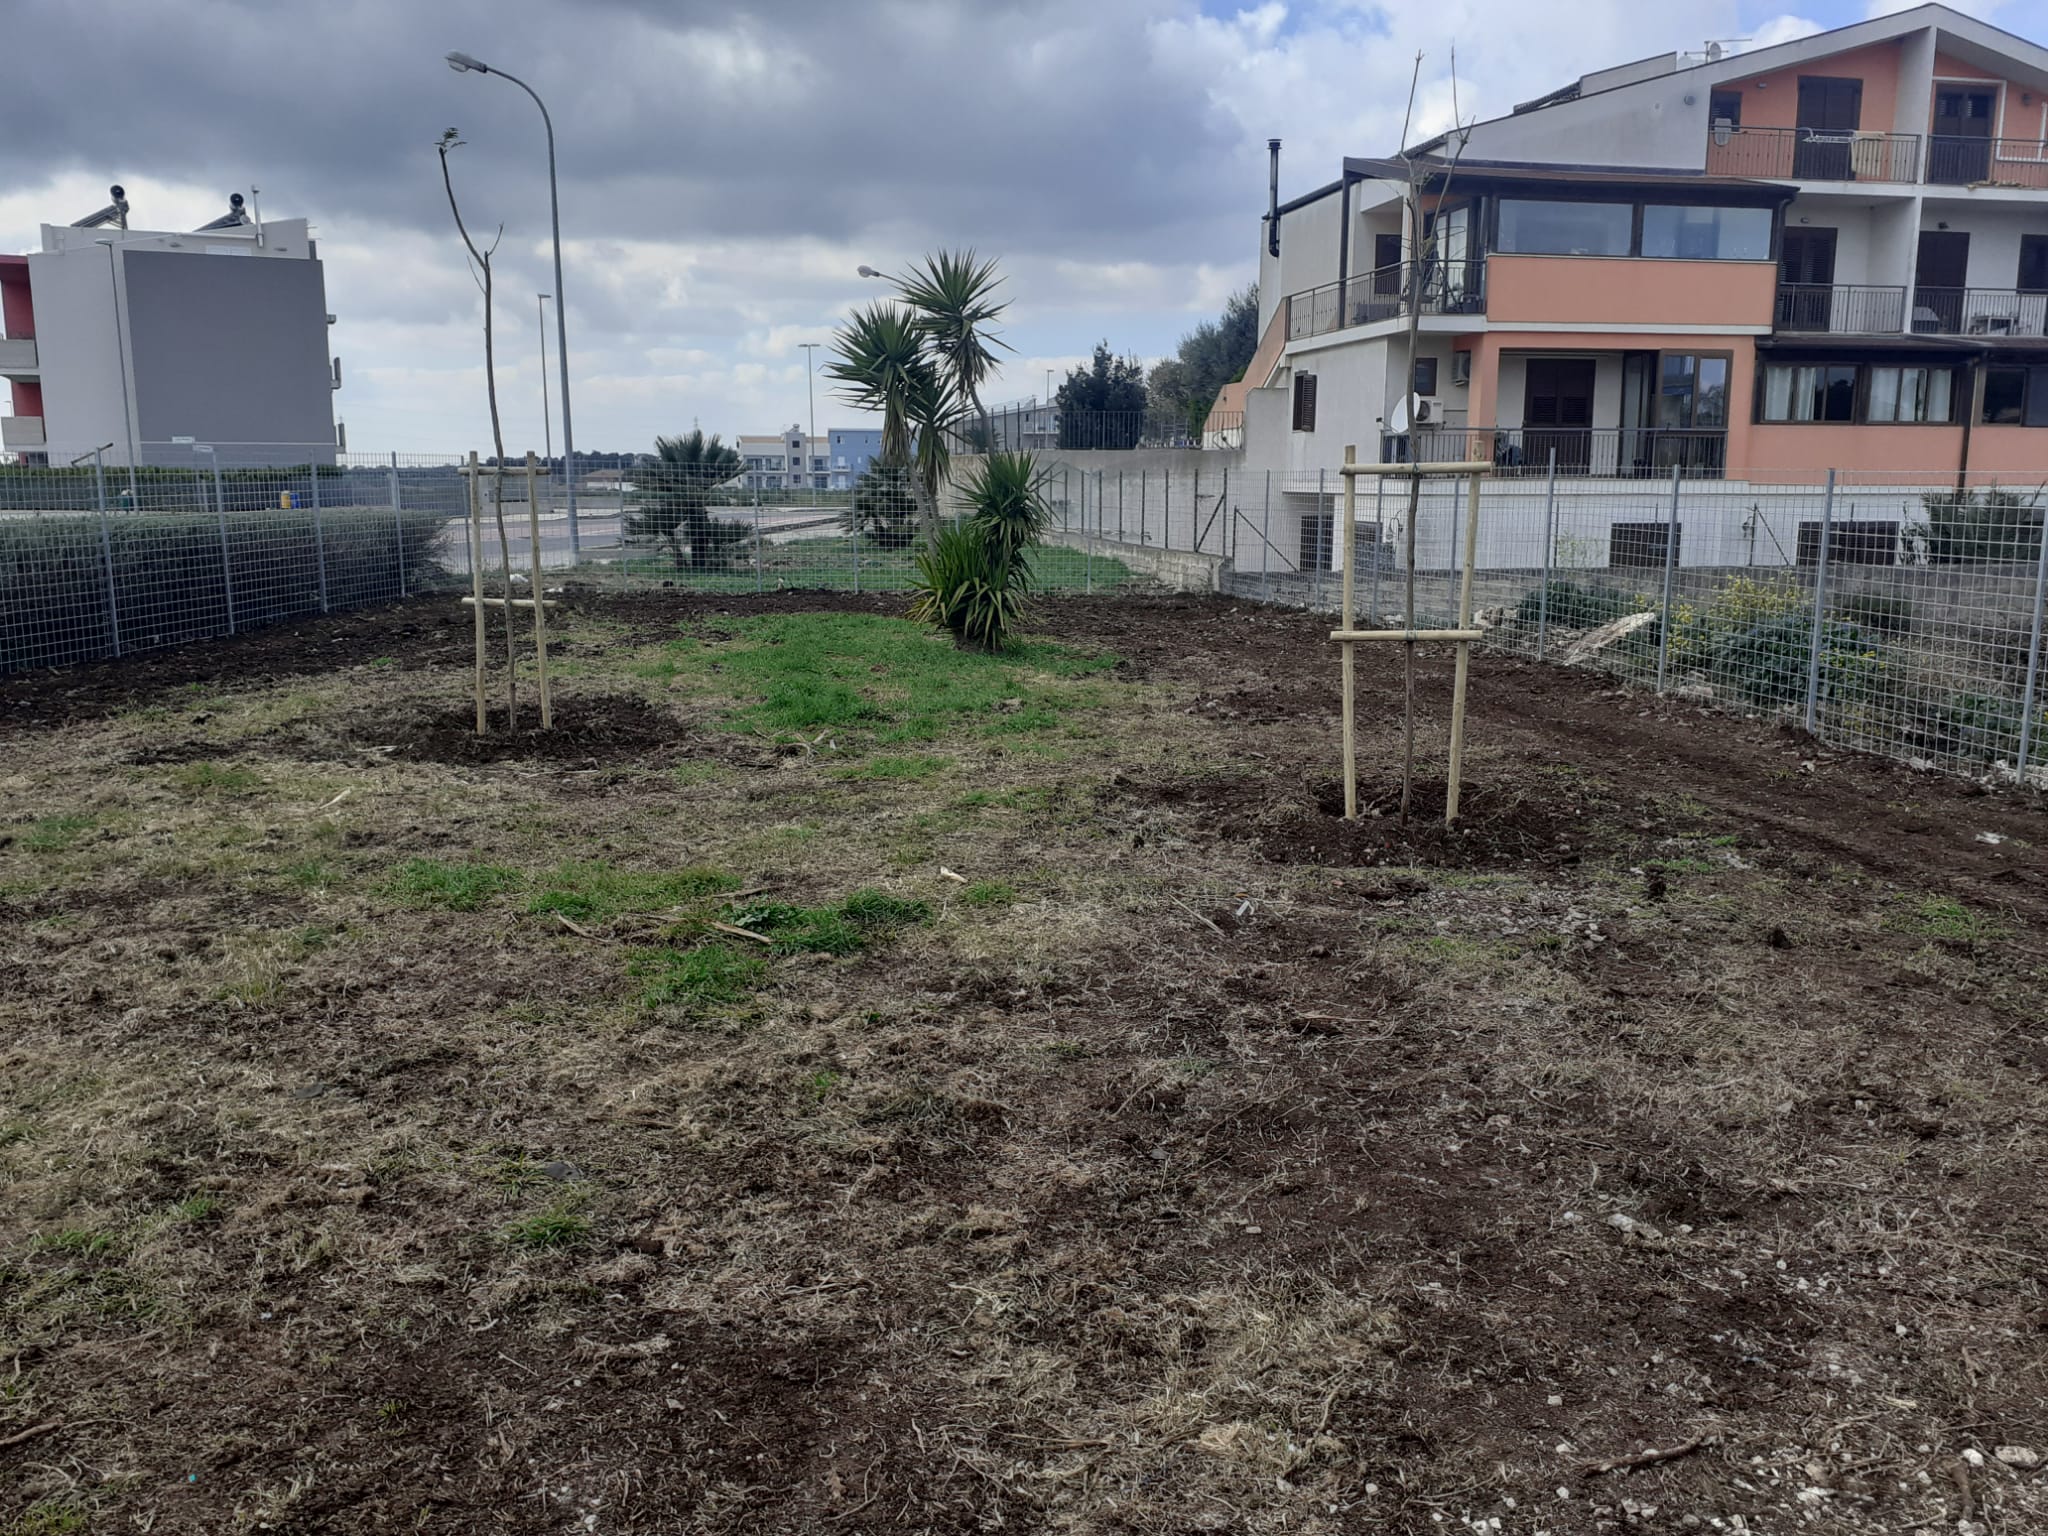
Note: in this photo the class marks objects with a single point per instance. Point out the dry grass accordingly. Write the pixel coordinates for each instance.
(393, 1141)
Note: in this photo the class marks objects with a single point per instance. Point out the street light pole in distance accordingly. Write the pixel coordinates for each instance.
(462, 64)
(547, 425)
(811, 392)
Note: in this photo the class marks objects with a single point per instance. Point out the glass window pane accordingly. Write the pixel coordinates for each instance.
(1778, 382)
(1706, 234)
(1710, 394)
(1674, 390)
(1528, 227)
(1884, 392)
(1940, 381)
(2004, 390)
(1806, 404)
(1839, 400)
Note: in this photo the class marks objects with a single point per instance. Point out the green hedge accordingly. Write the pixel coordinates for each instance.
(171, 583)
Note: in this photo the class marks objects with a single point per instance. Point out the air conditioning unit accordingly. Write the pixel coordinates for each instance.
(1461, 367)
(1425, 409)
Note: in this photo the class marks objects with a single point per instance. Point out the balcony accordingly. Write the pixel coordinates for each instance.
(1979, 312)
(19, 432)
(1840, 309)
(1957, 162)
(1448, 288)
(1811, 154)
(18, 356)
(1626, 453)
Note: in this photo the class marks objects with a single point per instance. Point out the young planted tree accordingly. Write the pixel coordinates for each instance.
(480, 273)
(975, 578)
(880, 362)
(675, 500)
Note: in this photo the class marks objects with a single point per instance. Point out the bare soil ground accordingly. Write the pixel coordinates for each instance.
(392, 1139)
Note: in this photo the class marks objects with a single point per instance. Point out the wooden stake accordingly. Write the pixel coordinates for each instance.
(1350, 622)
(540, 607)
(476, 581)
(1464, 666)
(517, 602)
(1408, 634)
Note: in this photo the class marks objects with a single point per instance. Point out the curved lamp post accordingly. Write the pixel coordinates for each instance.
(463, 64)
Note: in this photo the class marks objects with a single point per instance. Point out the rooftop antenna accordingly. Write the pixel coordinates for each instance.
(115, 213)
(256, 210)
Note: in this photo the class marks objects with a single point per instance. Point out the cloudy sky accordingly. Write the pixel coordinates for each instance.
(725, 167)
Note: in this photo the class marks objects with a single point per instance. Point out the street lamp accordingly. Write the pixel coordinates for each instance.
(547, 426)
(810, 390)
(463, 64)
(121, 350)
(867, 271)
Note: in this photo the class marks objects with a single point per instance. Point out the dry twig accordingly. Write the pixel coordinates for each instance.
(1648, 1458)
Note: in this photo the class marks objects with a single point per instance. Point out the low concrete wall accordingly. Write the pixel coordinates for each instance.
(1181, 569)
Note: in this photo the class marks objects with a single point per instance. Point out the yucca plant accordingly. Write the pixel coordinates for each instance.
(975, 579)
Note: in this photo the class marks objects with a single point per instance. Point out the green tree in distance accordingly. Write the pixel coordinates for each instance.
(1215, 353)
(1103, 405)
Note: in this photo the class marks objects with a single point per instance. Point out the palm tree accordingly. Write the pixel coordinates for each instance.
(675, 500)
(879, 359)
(953, 298)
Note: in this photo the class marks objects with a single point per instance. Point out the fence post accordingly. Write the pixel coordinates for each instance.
(1549, 543)
(1119, 506)
(398, 523)
(1229, 539)
(1670, 569)
(758, 578)
(856, 548)
(227, 575)
(99, 485)
(1316, 590)
(320, 540)
(1820, 599)
(2033, 656)
(1266, 554)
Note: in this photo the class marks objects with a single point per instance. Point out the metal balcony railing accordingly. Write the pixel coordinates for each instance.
(1628, 453)
(1813, 154)
(1979, 312)
(1959, 162)
(1448, 288)
(1841, 308)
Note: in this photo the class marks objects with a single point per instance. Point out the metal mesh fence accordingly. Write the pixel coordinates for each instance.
(1895, 613)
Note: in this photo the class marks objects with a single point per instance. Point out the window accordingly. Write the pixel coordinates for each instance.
(2005, 395)
(2033, 264)
(1910, 394)
(1640, 544)
(1304, 402)
(1706, 234)
(1850, 543)
(1809, 392)
(1425, 376)
(1531, 228)
(1692, 390)
(1318, 540)
(1725, 107)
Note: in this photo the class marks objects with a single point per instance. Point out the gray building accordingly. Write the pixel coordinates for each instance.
(160, 341)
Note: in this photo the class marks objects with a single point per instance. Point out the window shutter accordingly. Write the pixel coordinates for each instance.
(1304, 402)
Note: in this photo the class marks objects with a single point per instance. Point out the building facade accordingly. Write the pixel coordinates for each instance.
(157, 341)
(796, 461)
(1831, 253)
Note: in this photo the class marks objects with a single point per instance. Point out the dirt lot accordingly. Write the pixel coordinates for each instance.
(638, 1129)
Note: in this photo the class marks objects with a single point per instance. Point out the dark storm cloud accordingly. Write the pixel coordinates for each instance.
(1008, 125)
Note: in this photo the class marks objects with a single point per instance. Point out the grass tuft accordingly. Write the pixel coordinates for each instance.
(989, 893)
(707, 975)
(55, 834)
(216, 779)
(1946, 920)
(599, 891)
(457, 887)
(559, 1226)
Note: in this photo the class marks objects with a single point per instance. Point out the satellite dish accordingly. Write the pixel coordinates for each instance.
(1397, 418)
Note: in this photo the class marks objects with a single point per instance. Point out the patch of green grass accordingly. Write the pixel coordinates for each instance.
(1946, 919)
(561, 1225)
(706, 975)
(55, 834)
(1684, 866)
(922, 766)
(840, 930)
(77, 1242)
(216, 779)
(813, 672)
(310, 874)
(819, 1085)
(457, 887)
(47, 1517)
(599, 890)
(702, 771)
(198, 1210)
(989, 893)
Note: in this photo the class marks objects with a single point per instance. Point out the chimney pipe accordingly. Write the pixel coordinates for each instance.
(1273, 198)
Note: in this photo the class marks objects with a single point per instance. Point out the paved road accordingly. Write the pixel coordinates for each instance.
(600, 534)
